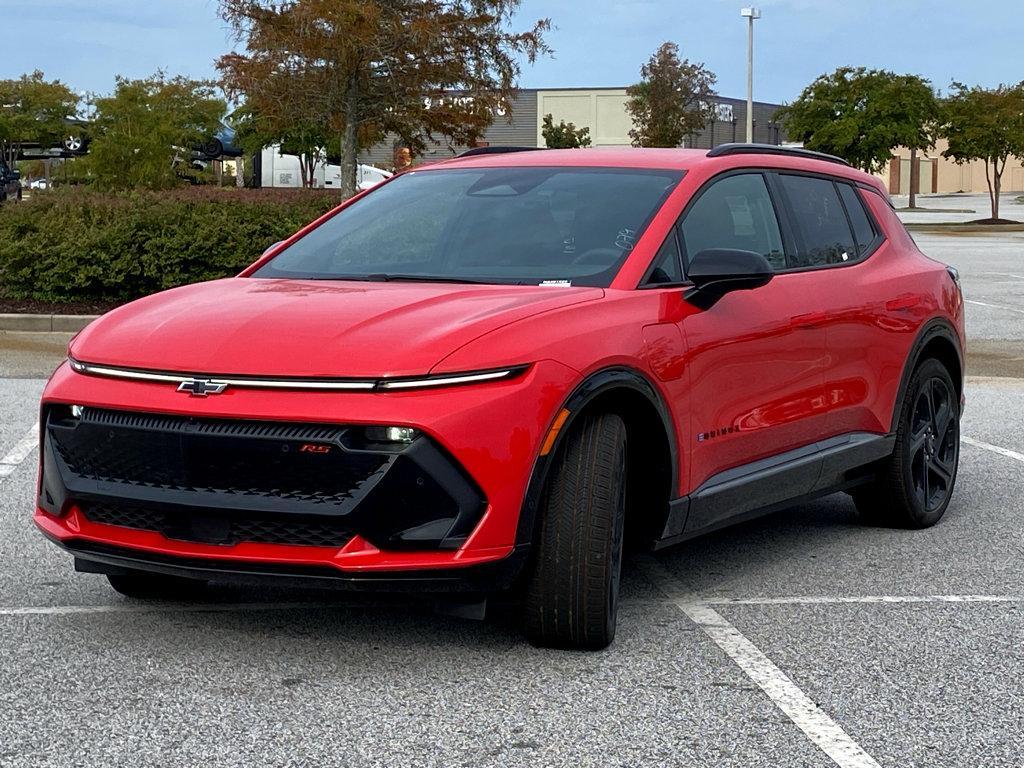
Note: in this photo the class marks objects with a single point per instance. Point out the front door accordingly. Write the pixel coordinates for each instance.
(756, 363)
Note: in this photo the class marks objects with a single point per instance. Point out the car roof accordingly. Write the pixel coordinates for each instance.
(654, 158)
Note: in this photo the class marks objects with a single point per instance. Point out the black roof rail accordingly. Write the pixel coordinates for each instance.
(495, 151)
(737, 148)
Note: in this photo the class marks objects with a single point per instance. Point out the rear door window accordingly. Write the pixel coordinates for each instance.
(822, 230)
(863, 230)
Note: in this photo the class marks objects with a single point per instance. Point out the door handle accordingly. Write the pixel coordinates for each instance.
(809, 320)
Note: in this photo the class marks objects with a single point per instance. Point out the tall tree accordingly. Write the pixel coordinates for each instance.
(33, 110)
(861, 115)
(674, 98)
(361, 69)
(564, 135)
(148, 127)
(986, 125)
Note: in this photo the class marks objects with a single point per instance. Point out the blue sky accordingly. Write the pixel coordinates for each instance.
(597, 42)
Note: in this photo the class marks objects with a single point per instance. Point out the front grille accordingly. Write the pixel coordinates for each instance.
(214, 527)
(241, 459)
(226, 481)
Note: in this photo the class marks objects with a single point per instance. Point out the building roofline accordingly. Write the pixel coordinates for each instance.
(719, 97)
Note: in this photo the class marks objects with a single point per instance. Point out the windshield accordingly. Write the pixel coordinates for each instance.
(490, 225)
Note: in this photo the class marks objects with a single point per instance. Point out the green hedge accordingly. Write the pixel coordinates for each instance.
(78, 244)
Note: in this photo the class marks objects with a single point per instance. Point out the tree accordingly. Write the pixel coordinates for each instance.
(148, 127)
(861, 115)
(985, 125)
(361, 69)
(294, 136)
(564, 135)
(674, 98)
(33, 110)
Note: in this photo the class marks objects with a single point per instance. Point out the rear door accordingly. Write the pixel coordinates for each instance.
(756, 360)
(872, 303)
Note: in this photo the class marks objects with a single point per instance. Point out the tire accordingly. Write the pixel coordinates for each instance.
(572, 594)
(146, 586)
(213, 148)
(915, 485)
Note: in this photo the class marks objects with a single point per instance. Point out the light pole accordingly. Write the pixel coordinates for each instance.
(750, 14)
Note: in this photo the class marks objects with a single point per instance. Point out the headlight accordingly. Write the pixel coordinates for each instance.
(446, 380)
(297, 383)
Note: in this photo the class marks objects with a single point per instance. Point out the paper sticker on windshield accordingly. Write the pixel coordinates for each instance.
(559, 283)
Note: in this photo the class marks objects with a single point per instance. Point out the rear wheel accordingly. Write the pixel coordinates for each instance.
(146, 586)
(914, 487)
(573, 591)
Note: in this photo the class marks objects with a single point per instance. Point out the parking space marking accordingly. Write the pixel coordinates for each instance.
(787, 696)
(20, 451)
(828, 599)
(993, 448)
(130, 608)
(994, 306)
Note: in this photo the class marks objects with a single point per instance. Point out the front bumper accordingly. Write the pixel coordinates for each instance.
(480, 444)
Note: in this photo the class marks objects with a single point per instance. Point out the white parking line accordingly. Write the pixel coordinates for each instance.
(853, 599)
(993, 448)
(995, 306)
(21, 450)
(787, 696)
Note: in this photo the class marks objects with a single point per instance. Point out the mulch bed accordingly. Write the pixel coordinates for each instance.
(33, 306)
(990, 220)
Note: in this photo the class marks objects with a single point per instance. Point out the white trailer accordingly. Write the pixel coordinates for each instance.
(280, 170)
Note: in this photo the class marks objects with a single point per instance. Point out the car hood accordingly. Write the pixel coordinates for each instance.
(261, 327)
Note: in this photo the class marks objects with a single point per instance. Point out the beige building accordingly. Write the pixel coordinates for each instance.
(941, 175)
(603, 111)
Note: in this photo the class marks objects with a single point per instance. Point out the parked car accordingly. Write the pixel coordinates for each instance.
(494, 373)
(10, 182)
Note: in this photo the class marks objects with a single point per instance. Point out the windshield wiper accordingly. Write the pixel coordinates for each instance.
(401, 277)
(413, 278)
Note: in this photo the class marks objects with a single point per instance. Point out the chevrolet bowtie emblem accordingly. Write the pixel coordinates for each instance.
(202, 387)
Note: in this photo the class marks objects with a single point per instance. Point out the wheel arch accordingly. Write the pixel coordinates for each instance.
(936, 339)
(653, 470)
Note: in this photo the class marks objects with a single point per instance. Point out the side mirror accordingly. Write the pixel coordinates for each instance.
(717, 271)
(271, 248)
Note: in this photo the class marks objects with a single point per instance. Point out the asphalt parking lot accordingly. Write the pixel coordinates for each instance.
(799, 639)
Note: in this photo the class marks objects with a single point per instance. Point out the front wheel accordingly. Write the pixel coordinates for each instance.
(573, 592)
(915, 485)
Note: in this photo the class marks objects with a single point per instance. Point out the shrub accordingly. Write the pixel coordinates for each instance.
(79, 244)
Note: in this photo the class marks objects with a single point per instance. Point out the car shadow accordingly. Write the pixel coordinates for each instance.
(740, 553)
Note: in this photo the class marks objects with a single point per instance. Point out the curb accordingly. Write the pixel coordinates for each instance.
(962, 227)
(18, 321)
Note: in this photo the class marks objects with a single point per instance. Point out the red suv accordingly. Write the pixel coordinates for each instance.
(490, 373)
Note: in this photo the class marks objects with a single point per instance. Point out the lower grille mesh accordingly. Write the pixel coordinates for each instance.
(215, 527)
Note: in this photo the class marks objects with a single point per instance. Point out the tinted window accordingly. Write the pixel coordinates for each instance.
(824, 233)
(667, 265)
(863, 232)
(735, 212)
(489, 225)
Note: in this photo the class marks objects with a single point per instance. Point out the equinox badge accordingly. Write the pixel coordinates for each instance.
(202, 387)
